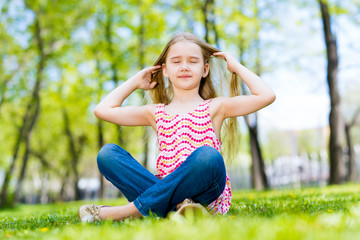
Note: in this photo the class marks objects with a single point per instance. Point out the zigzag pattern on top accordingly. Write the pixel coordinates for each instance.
(179, 135)
(189, 120)
(169, 147)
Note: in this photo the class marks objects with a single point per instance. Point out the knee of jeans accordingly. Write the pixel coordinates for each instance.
(104, 156)
(208, 158)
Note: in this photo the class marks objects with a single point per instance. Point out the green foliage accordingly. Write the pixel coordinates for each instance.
(86, 44)
(314, 213)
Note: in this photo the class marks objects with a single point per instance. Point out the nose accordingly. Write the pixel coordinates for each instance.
(184, 66)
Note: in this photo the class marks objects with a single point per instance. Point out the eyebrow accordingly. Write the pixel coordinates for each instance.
(181, 56)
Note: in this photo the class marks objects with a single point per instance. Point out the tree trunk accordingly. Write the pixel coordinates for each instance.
(111, 52)
(61, 196)
(335, 118)
(25, 130)
(8, 78)
(351, 173)
(260, 179)
(73, 151)
(4, 190)
(351, 164)
(206, 21)
(100, 133)
(142, 92)
(209, 21)
(27, 147)
(213, 23)
(40, 156)
(258, 174)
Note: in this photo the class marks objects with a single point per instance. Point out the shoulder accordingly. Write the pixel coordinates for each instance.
(151, 108)
(215, 105)
(217, 102)
(225, 107)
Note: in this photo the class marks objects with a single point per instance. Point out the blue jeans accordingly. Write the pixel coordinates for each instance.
(201, 177)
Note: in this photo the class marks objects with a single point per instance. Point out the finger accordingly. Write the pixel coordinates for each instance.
(155, 69)
(152, 68)
(152, 85)
(219, 55)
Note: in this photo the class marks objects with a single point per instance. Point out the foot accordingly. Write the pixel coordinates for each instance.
(189, 205)
(90, 213)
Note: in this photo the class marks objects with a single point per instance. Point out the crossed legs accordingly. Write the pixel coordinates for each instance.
(201, 177)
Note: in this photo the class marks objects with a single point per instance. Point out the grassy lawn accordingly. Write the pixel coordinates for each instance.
(312, 213)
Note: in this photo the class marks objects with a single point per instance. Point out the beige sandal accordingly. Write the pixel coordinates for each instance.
(90, 213)
(189, 205)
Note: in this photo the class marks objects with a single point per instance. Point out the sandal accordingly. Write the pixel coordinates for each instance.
(90, 213)
(189, 205)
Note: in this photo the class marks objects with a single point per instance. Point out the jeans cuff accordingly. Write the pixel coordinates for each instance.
(141, 208)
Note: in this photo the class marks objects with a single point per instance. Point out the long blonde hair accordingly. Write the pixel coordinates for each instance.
(163, 93)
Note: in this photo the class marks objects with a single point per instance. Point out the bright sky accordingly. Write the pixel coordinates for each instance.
(295, 112)
(302, 94)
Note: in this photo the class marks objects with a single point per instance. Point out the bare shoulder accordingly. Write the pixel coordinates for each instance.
(216, 106)
(151, 108)
(224, 107)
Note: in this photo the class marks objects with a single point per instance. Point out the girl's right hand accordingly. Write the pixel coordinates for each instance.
(143, 77)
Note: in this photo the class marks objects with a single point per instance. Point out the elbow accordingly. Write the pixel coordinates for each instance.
(97, 112)
(270, 98)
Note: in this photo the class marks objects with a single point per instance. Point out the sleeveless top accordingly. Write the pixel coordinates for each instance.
(179, 135)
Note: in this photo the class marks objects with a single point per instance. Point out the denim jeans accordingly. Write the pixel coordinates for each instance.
(201, 177)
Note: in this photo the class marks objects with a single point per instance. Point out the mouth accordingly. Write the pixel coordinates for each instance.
(184, 76)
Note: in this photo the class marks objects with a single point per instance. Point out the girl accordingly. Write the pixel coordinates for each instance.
(187, 117)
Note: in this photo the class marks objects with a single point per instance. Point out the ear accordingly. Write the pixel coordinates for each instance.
(206, 70)
(163, 66)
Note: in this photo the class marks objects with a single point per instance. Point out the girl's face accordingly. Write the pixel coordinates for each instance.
(185, 66)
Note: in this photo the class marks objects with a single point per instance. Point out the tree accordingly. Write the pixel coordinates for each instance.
(335, 117)
(259, 179)
(46, 43)
(29, 120)
(247, 40)
(351, 176)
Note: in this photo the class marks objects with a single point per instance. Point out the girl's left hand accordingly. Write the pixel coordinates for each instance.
(232, 63)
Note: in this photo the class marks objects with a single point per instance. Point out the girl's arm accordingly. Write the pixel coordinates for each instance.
(109, 109)
(261, 94)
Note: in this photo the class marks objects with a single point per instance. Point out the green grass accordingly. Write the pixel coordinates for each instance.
(313, 213)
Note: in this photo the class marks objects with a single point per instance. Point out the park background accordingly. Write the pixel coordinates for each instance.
(59, 58)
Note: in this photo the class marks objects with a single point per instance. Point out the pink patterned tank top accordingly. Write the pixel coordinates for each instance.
(179, 135)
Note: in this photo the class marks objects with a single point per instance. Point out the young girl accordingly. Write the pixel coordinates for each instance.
(187, 117)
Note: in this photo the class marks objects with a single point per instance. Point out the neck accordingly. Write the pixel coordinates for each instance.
(185, 96)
